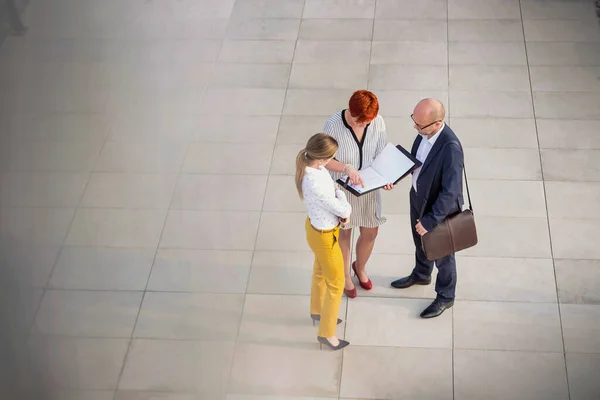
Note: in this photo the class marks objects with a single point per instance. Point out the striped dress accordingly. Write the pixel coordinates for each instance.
(366, 209)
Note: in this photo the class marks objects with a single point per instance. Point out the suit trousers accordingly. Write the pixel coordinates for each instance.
(328, 277)
(445, 284)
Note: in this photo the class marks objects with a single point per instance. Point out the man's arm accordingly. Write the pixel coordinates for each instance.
(447, 199)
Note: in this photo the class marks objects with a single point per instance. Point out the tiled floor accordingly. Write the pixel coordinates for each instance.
(146, 157)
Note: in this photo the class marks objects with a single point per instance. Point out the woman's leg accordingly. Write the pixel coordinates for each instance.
(345, 241)
(318, 289)
(332, 264)
(364, 248)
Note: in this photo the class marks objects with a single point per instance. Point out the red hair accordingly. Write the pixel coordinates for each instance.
(363, 106)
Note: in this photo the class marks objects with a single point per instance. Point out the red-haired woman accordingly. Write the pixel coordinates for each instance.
(360, 133)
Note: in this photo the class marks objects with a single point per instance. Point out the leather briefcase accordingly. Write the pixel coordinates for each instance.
(457, 232)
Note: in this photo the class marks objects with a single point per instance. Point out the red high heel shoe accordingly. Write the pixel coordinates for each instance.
(368, 285)
(350, 293)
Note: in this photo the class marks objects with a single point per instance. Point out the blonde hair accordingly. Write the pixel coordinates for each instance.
(319, 147)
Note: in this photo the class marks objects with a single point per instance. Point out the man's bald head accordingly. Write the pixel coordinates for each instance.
(430, 110)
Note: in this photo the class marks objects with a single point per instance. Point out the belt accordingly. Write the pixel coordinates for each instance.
(324, 230)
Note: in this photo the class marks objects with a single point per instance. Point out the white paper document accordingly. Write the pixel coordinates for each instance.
(389, 166)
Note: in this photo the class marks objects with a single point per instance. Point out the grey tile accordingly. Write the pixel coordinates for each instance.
(256, 397)
(178, 366)
(575, 238)
(408, 77)
(210, 230)
(404, 327)
(479, 276)
(488, 77)
(555, 9)
(147, 125)
(563, 53)
(241, 129)
(280, 319)
(85, 363)
(277, 272)
(500, 30)
(507, 326)
(511, 198)
(491, 9)
(398, 242)
(282, 195)
(128, 190)
(336, 29)
(269, 233)
(407, 9)
(246, 75)
(578, 281)
(116, 228)
(255, 365)
(52, 156)
(509, 374)
(571, 165)
(91, 268)
(559, 134)
(208, 8)
(295, 129)
(42, 189)
(332, 52)
(158, 156)
(88, 313)
(511, 164)
(244, 9)
(333, 76)
(60, 127)
(200, 271)
(29, 262)
(572, 199)
(410, 53)
(566, 105)
(81, 395)
(580, 327)
(257, 51)
(264, 29)
(177, 48)
(561, 30)
(511, 237)
(143, 395)
(189, 316)
(215, 158)
(36, 226)
(339, 9)
(142, 75)
(401, 103)
(479, 104)
(496, 133)
(244, 101)
(134, 100)
(583, 376)
(372, 372)
(185, 28)
(219, 192)
(487, 53)
(556, 79)
(315, 101)
(426, 30)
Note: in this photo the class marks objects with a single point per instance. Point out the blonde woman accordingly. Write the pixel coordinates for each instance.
(327, 209)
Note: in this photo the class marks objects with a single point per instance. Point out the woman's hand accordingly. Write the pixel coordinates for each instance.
(389, 186)
(355, 177)
(344, 221)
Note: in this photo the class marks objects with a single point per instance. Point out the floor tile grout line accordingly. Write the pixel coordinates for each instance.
(76, 208)
(166, 217)
(562, 332)
(237, 339)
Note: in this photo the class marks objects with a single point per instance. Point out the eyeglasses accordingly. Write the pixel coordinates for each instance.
(423, 127)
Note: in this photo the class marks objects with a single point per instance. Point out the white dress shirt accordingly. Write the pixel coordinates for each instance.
(325, 204)
(422, 153)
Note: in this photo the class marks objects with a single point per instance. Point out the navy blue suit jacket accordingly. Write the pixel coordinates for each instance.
(439, 185)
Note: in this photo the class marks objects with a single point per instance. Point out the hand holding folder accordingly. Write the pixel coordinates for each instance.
(392, 165)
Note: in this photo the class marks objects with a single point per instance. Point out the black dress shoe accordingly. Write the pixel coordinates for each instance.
(436, 308)
(410, 280)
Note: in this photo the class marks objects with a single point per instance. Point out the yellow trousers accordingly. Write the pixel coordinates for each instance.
(328, 277)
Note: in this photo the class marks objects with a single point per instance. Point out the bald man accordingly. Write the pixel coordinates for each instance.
(435, 194)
